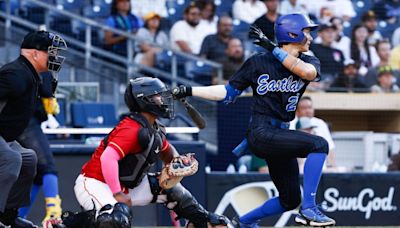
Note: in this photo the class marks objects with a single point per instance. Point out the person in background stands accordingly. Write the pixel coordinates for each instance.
(122, 19)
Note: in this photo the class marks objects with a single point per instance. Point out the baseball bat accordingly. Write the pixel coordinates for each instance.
(194, 114)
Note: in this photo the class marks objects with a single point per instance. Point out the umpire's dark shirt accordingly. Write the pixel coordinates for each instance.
(19, 83)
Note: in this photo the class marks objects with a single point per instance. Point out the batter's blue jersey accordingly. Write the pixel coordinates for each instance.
(276, 90)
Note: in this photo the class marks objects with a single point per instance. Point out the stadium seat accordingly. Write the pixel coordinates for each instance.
(240, 29)
(96, 11)
(61, 117)
(176, 9)
(199, 72)
(14, 6)
(224, 7)
(75, 6)
(62, 24)
(93, 115)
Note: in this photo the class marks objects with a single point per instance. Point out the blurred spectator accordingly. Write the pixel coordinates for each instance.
(369, 21)
(383, 50)
(341, 42)
(394, 164)
(325, 15)
(150, 32)
(207, 13)
(258, 164)
(213, 46)
(232, 60)
(122, 19)
(386, 81)
(305, 109)
(304, 124)
(349, 80)
(396, 37)
(292, 6)
(394, 60)
(331, 58)
(387, 10)
(361, 52)
(338, 8)
(248, 10)
(266, 22)
(187, 35)
(141, 8)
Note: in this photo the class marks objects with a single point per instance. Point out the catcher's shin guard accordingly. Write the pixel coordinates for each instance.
(186, 206)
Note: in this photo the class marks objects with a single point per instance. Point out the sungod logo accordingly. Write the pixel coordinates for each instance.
(282, 85)
(365, 202)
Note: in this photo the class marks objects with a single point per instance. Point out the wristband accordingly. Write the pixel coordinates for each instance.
(280, 54)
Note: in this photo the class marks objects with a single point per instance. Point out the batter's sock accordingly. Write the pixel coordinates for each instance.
(23, 211)
(270, 207)
(50, 185)
(312, 174)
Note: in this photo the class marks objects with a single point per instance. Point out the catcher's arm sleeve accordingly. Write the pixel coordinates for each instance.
(109, 167)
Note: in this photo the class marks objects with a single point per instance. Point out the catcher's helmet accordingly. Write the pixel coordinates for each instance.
(140, 96)
(292, 24)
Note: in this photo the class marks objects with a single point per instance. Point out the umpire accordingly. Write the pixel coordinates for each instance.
(19, 83)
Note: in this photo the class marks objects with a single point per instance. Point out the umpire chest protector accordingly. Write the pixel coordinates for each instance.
(133, 167)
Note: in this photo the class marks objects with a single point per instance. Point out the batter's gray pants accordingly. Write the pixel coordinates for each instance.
(17, 170)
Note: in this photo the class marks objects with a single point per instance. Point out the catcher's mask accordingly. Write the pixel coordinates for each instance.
(55, 60)
(47, 41)
(149, 95)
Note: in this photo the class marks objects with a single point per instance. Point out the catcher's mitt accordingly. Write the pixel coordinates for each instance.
(179, 167)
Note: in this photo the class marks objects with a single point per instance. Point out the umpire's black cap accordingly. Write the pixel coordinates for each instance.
(39, 40)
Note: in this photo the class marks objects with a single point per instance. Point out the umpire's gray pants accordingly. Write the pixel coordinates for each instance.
(17, 170)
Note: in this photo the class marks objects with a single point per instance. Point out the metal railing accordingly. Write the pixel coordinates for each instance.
(89, 49)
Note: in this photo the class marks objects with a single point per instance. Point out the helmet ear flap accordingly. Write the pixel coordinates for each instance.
(130, 101)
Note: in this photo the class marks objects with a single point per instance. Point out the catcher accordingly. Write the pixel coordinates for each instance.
(117, 175)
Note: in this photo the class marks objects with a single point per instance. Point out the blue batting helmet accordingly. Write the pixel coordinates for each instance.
(292, 24)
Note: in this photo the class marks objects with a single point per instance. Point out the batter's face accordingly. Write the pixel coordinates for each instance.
(304, 46)
(305, 109)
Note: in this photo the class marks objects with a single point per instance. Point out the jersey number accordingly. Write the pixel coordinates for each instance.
(291, 107)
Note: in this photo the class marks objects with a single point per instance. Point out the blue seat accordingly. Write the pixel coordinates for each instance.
(96, 11)
(199, 72)
(75, 6)
(240, 29)
(61, 117)
(176, 8)
(93, 115)
(61, 24)
(224, 7)
(14, 6)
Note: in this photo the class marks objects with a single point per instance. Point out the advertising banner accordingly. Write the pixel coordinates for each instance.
(362, 199)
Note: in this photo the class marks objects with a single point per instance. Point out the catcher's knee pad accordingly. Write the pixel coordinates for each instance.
(119, 216)
(186, 206)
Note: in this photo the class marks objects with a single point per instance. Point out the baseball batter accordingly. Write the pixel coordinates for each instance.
(278, 79)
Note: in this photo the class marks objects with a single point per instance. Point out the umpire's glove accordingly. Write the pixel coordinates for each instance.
(182, 91)
(261, 39)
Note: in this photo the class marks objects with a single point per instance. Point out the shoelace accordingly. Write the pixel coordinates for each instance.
(318, 208)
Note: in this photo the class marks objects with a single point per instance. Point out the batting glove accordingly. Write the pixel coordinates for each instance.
(182, 91)
(261, 39)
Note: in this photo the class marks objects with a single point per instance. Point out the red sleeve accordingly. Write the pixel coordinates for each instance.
(125, 140)
(165, 146)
